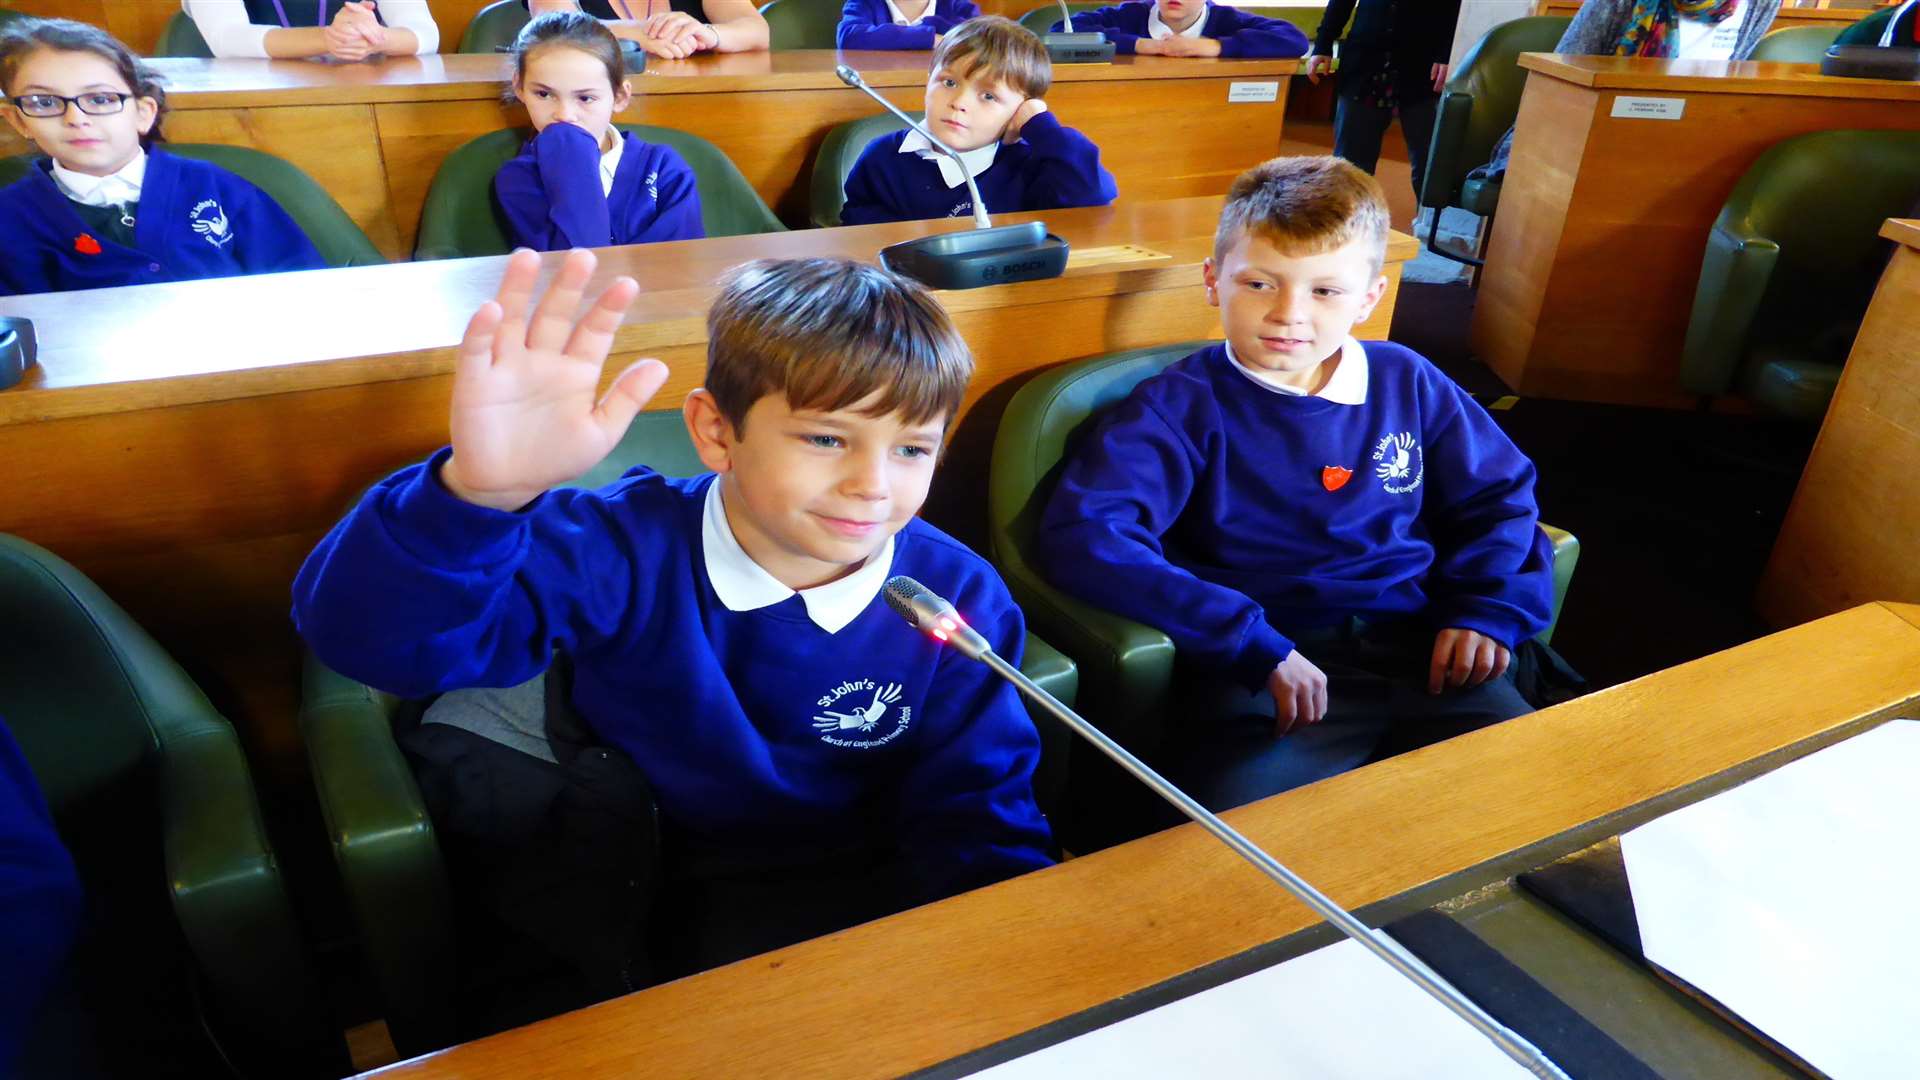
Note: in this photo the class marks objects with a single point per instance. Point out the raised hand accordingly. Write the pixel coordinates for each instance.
(524, 416)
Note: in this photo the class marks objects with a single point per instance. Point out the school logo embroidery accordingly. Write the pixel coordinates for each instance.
(852, 713)
(1333, 477)
(653, 186)
(210, 221)
(85, 244)
(963, 208)
(1398, 463)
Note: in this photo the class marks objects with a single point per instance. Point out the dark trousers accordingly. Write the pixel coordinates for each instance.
(1377, 706)
(1359, 127)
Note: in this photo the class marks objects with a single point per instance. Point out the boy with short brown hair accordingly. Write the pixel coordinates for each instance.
(985, 102)
(1292, 492)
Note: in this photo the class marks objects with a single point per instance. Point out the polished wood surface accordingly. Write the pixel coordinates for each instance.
(1596, 252)
(373, 134)
(930, 984)
(1852, 527)
(1788, 16)
(197, 444)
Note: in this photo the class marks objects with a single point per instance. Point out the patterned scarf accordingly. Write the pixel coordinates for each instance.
(1653, 21)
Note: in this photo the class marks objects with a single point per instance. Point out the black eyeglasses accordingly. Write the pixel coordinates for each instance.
(93, 103)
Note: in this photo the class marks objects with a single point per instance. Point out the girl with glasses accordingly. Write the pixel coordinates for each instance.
(104, 208)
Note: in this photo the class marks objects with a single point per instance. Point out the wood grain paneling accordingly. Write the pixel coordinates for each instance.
(1603, 222)
(995, 963)
(1850, 530)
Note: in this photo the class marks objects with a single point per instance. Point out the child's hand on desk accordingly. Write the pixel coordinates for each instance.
(355, 33)
(524, 417)
(1465, 658)
(1028, 109)
(1177, 46)
(1299, 692)
(682, 30)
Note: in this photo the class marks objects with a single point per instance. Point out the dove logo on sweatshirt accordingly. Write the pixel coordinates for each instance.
(861, 713)
(1398, 463)
(210, 221)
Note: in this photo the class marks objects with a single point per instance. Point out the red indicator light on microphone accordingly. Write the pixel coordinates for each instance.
(948, 624)
(941, 634)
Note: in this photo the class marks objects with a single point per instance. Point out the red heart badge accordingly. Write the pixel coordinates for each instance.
(1333, 477)
(86, 244)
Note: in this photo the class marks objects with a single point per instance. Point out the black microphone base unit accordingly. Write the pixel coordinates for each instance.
(977, 257)
(1872, 62)
(1093, 48)
(18, 349)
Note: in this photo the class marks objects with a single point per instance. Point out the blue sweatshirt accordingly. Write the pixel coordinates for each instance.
(554, 200)
(194, 220)
(748, 724)
(866, 24)
(1050, 167)
(1239, 33)
(40, 900)
(1216, 508)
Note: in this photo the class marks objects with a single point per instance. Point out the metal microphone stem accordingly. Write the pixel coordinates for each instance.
(852, 78)
(1515, 1047)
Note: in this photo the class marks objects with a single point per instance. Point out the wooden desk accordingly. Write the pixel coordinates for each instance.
(373, 134)
(1603, 221)
(198, 444)
(1854, 521)
(1836, 18)
(937, 982)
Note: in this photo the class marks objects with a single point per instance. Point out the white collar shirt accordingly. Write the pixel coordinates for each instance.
(115, 189)
(978, 160)
(1160, 31)
(610, 161)
(744, 585)
(900, 19)
(1348, 386)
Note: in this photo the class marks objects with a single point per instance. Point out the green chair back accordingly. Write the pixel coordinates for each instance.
(1480, 103)
(1796, 44)
(801, 24)
(838, 153)
(182, 38)
(332, 232)
(8, 15)
(1796, 250)
(494, 27)
(461, 219)
(1868, 30)
(1041, 19)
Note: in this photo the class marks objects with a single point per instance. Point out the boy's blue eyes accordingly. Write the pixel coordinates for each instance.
(835, 442)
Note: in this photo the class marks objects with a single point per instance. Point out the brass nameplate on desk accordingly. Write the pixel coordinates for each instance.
(1115, 253)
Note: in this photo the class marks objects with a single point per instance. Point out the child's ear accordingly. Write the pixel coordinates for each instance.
(622, 96)
(1372, 299)
(1210, 276)
(146, 111)
(712, 433)
(16, 121)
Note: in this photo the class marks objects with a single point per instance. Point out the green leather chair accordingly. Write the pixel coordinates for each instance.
(494, 27)
(9, 15)
(838, 153)
(181, 38)
(338, 239)
(1795, 44)
(1790, 265)
(151, 791)
(801, 24)
(1478, 106)
(1126, 667)
(1868, 30)
(460, 218)
(383, 840)
(1041, 19)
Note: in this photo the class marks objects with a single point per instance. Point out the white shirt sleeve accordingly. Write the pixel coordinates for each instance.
(224, 24)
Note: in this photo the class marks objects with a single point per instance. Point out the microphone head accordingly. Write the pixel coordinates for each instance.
(901, 591)
(848, 75)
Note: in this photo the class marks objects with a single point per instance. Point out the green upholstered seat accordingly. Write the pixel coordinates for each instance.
(1126, 668)
(1041, 19)
(150, 788)
(839, 151)
(1796, 44)
(461, 219)
(494, 27)
(1480, 103)
(1868, 30)
(1790, 265)
(8, 15)
(338, 239)
(801, 24)
(383, 840)
(181, 38)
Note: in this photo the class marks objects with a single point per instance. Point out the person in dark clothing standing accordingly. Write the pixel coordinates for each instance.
(1393, 61)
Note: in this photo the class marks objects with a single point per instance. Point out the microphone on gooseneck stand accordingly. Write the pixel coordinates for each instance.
(1071, 48)
(927, 611)
(965, 260)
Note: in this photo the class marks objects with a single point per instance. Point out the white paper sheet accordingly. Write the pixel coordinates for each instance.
(1333, 1014)
(1792, 900)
